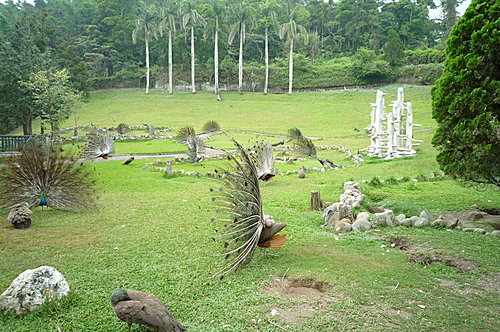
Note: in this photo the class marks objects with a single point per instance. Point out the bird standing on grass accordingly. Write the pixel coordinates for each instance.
(142, 308)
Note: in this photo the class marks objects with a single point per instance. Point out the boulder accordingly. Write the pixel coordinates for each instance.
(361, 224)
(421, 222)
(439, 222)
(450, 221)
(338, 212)
(471, 215)
(32, 288)
(408, 222)
(476, 230)
(494, 233)
(425, 214)
(363, 216)
(342, 227)
(399, 219)
(385, 218)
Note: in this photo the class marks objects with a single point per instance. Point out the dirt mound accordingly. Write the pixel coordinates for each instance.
(300, 289)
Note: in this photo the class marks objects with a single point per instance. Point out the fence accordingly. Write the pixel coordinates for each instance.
(12, 143)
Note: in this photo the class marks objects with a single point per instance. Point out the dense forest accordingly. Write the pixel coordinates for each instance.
(245, 45)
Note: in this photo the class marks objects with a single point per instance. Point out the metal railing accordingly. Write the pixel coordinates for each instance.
(12, 143)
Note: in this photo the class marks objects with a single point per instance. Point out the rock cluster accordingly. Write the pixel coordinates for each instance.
(32, 288)
(341, 218)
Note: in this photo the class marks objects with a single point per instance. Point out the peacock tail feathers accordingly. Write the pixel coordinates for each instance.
(211, 126)
(196, 148)
(240, 201)
(41, 176)
(263, 159)
(184, 133)
(306, 147)
(294, 134)
(99, 144)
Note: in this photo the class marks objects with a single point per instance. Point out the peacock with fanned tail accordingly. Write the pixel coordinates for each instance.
(263, 158)
(241, 201)
(42, 175)
(100, 144)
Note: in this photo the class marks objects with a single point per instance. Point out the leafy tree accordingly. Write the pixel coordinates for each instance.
(466, 102)
(53, 97)
(394, 49)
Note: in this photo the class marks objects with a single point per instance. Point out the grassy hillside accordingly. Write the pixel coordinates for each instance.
(153, 233)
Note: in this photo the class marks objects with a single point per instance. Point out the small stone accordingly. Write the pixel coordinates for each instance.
(342, 226)
(425, 214)
(399, 219)
(495, 233)
(421, 306)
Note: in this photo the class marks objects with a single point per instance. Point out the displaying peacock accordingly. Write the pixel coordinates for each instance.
(263, 158)
(246, 224)
(306, 147)
(44, 176)
(294, 134)
(196, 148)
(100, 144)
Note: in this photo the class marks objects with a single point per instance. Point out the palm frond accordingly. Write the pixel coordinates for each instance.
(45, 176)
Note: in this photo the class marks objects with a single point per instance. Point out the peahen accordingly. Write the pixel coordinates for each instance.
(142, 308)
(326, 163)
(247, 225)
(129, 160)
(263, 158)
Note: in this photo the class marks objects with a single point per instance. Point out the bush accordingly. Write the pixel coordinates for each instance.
(423, 74)
(429, 55)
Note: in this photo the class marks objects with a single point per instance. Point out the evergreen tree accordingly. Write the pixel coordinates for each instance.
(466, 102)
(394, 49)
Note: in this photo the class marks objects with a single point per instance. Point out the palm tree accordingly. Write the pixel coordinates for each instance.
(268, 11)
(218, 11)
(290, 29)
(145, 24)
(244, 14)
(192, 18)
(168, 15)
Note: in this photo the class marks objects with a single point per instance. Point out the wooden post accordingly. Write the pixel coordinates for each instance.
(316, 203)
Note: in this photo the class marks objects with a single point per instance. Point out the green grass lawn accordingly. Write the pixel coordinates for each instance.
(153, 234)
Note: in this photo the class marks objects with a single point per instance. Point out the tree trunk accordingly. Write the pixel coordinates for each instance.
(216, 60)
(290, 68)
(147, 63)
(170, 81)
(316, 203)
(266, 55)
(27, 122)
(240, 63)
(192, 60)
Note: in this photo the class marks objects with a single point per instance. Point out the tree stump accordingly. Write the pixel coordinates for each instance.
(316, 203)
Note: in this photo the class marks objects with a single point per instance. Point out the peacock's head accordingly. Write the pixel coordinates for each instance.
(119, 295)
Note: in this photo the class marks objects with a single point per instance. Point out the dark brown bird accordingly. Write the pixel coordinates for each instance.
(142, 308)
(129, 160)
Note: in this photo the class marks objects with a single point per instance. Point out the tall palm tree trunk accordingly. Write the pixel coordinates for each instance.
(266, 55)
(147, 63)
(290, 68)
(240, 64)
(216, 60)
(192, 60)
(170, 81)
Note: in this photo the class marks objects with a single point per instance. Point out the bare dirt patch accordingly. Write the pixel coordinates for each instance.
(298, 289)
(311, 296)
(425, 254)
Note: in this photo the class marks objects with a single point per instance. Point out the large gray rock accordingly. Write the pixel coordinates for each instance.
(425, 214)
(421, 222)
(476, 230)
(399, 219)
(361, 224)
(32, 288)
(337, 212)
(494, 233)
(363, 216)
(385, 218)
(342, 226)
